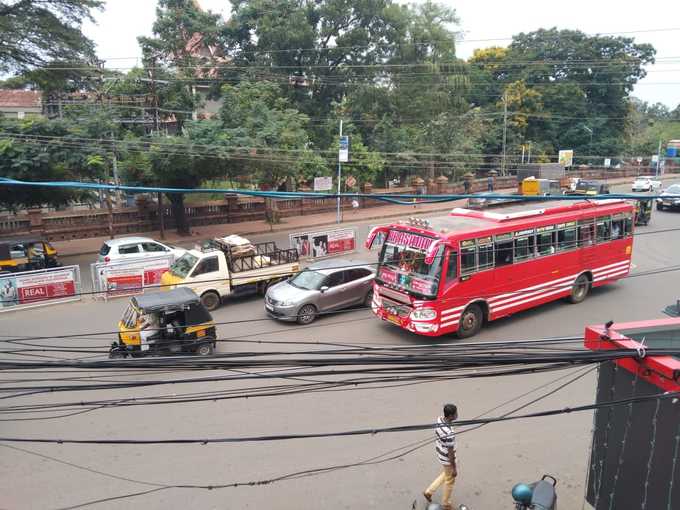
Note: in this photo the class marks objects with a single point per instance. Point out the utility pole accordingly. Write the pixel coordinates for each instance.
(339, 176)
(658, 159)
(152, 75)
(505, 129)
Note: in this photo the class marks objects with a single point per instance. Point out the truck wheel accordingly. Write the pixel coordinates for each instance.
(306, 314)
(470, 322)
(580, 289)
(211, 300)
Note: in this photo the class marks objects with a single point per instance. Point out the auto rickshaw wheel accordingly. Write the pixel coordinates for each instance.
(205, 349)
(117, 354)
(211, 300)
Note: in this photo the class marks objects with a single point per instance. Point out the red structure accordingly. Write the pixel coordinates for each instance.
(634, 461)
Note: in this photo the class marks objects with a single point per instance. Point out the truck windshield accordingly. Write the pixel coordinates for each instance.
(183, 265)
(405, 268)
(308, 280)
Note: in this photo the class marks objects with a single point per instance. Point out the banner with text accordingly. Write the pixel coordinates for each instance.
(36, 288)
(314, 245)
(128, 277)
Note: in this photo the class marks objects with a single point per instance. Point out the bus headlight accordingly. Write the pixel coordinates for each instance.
(425, 314)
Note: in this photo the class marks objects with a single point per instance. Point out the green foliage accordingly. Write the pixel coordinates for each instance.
(38, 32)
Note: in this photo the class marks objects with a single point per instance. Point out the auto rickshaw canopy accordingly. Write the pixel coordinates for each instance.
(181, 299)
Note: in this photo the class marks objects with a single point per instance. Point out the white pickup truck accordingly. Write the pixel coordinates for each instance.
(229, 266)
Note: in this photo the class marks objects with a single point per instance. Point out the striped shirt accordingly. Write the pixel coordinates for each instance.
(444, 439)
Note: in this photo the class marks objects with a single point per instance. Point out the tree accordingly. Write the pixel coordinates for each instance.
(41, 150)
(35, 33)
(268, 136)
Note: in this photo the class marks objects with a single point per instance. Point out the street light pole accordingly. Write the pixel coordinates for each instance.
(339, 174)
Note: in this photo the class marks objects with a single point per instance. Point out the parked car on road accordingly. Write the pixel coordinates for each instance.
(328, 285)
(645, 183)
(669, 198)
(116, 250)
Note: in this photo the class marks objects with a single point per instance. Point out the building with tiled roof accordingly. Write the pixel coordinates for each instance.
(19, 104)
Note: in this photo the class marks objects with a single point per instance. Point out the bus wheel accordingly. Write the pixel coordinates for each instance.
(470, 321)
(211, 300)
(580, 289)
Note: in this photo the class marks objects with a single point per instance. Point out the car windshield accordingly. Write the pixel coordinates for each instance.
(673, 190)
(183, 265)
(308, 280)
(405, 268)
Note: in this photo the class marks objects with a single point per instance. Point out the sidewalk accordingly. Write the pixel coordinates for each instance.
(292, 224)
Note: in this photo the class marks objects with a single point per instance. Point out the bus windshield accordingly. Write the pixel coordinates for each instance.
(404, 267)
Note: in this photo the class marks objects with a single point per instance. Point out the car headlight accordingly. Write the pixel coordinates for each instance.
(286, 303)
(425, 314)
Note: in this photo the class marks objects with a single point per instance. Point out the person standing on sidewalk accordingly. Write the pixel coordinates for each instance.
(445, 447)
(489, 183)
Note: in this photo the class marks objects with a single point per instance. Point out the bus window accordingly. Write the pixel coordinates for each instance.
(628, 225)
(545, 243)
(585, 233)
(503, 253)
(524, 248)
(566, 239)
(617, 228)
(604, 229)
(468, 260)
(451, 272)
(484, 253)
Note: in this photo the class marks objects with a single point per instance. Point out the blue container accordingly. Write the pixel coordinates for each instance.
(672, 152)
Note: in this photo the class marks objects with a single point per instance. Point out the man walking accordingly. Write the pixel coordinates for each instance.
(489, 183)
(445, 446)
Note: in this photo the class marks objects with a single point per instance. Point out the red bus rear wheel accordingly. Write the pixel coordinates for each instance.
(470, 321)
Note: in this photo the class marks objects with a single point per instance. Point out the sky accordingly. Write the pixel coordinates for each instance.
(492, 22)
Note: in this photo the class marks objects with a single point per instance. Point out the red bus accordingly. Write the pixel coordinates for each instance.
(454, 273)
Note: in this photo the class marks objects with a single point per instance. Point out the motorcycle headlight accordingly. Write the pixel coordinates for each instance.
(426, 314)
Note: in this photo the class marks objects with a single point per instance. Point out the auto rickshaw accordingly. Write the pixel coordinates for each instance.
(643, 212)
(162, 323)
(26, 254)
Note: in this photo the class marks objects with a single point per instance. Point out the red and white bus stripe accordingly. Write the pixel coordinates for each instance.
(451, 316)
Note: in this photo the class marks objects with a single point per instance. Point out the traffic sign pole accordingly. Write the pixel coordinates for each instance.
(339, 172)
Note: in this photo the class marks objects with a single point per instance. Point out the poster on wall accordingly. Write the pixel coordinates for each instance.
(46, 286)
(323, 244)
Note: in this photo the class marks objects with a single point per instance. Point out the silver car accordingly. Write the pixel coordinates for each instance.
(324, 286)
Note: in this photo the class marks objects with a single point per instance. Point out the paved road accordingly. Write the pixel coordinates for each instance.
(492, 458)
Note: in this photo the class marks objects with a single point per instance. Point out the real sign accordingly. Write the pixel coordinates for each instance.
(323, 183)
(343, 153)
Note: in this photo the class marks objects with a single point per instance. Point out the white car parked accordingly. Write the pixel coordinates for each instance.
(124, 248)
(646, 183)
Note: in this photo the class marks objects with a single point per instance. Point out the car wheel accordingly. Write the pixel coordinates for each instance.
(306, 314)
(580, 289)
(659, 207)
(470, 322)
(368, 300)
(211, 300)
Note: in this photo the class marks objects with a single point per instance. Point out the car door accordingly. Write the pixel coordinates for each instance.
(130, 251)
(359, 282)
(206, 276)
(153, 249)
(335, 295)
